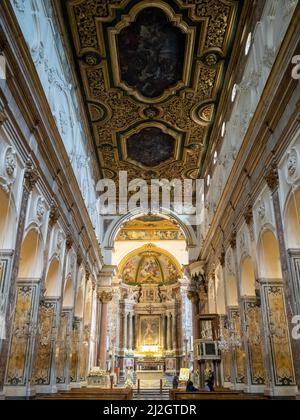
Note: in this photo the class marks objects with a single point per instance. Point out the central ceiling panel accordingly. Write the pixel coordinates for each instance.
(150, 146)
(151, 75)
(151, 53)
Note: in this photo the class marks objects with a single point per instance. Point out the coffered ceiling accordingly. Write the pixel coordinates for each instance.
(151, 75)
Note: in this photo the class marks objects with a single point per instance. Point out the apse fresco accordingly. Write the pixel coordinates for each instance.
(151, 53)
(150, 268)
(150, 147)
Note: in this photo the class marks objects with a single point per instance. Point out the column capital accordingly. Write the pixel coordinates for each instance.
(193, 296)
(272, 177)
(104, 295)
(87, 272)
(79, 258)
(222, 258)
(195, 269)
(69, 241)
(3, 118)
(54, 214)
(248, 215)
(232, 240)
(31, 176)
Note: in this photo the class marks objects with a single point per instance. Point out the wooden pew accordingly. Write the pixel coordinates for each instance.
(90, 394)
(181, 395)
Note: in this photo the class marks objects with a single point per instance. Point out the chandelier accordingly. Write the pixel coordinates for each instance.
(230, 343)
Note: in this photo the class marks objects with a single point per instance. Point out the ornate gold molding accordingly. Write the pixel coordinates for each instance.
(31, 176)
(177, 21)
(104, 296)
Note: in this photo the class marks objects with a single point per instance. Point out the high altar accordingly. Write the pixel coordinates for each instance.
(152, 312)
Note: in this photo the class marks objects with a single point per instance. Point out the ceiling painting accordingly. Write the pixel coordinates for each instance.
(151, 76)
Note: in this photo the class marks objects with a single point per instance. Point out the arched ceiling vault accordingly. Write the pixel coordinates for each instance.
(151, 75)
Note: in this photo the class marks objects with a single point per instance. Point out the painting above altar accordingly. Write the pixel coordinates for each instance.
(149, 333)
(150, 265)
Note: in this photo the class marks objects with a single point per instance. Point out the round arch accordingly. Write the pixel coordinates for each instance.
(248, 277)
(211, 297)
(53, 281)
(79, 306)
(68, 301)
(31, 256)
(114, 229)
(292, 220)
(88, 305)
(270, 265)
(231, 291)
(220, 292)
(7, 221)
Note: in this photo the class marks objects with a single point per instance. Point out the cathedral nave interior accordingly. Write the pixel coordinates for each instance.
(142, 303)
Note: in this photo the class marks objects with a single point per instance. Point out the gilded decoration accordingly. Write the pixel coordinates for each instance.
(279, 336)
(151, 53)
(227, 358)
(61, 348)
(255, 345)
(238, 353)
(75, 339)
(149, 265)
(44, 352)
(139, 230)
(20, 340)
(157, 65)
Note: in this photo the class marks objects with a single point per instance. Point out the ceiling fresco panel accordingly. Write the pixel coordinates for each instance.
(157, 65)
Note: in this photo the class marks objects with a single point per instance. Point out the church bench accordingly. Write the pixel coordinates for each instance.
(204, 395)
(91, 393)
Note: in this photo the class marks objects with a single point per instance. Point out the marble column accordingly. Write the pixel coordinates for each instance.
(130, 338)
(163, 327)
(136, 331)
(123, 348)
(174, 332)
(104, 297)
(125, 318)
(169, 332)
(30, 179)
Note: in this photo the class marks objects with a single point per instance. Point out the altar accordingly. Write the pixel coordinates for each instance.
(150, 378)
